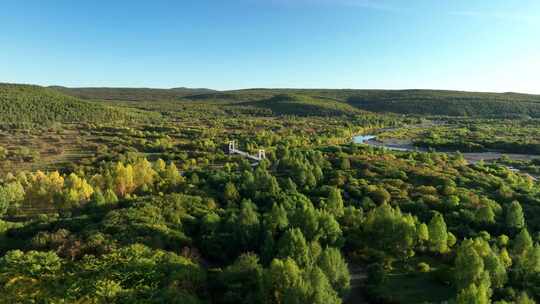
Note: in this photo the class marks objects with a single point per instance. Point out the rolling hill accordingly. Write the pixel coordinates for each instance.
(131, 94)
(448, 103)
(303, 105)
(329, 102)
(40, 105)
(420, 102)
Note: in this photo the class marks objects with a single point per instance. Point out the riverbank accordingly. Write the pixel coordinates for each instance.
(471, 157)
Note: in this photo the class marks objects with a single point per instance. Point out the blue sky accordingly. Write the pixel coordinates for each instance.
(481, 45)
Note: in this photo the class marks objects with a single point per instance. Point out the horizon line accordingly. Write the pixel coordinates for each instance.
(268, 88)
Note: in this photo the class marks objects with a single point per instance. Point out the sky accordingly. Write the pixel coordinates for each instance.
(473, 45)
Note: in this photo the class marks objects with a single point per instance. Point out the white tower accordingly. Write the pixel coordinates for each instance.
(262, 154)
(232, 147)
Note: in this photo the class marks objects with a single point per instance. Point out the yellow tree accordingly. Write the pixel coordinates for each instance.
(143, 174)
(123, 179)
(43, 188)
(81, 190)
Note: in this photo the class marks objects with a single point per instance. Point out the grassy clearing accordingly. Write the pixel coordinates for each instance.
(414, 287)
(406, 285)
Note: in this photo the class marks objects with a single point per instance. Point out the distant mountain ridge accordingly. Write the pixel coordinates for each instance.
(131, 94)
(330, 102)
(419, 102)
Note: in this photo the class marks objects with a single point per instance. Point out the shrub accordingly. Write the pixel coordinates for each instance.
(423, 267)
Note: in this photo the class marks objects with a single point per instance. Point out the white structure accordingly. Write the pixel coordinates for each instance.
(232, 147)
(232, 150)
(262, 154)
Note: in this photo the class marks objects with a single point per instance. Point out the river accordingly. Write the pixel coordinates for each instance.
(471, 157)
(406, 145)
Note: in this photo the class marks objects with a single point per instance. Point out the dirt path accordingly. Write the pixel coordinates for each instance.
(358, 278)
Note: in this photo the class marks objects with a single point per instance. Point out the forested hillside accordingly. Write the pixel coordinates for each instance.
(302, 105)
(145, 204)
(34, 104)
(131, 94)
(324, 102)
(420, 102)
(448, 103)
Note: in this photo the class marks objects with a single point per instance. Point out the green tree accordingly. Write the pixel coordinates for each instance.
(336, 270)
(306, 218)
(505, 258)
(423, 232)
(473, 295)
(469, 266)
(524, 299)
(230, 193)
(172, 176)
(319, 288)
(285, 283)
(452, 240)
(485, 214)
(248, 225)
(514, 216)
(11, 195)
(388, 230)
(530, 262)
(344, 163)
(496, 269)
(289, 186)
(98, 199)
(438, 235)
(110, 196)
(293, 245)
(522, 242)
(243, 281)
(379, 195)
(329, 232)
(276, 219)
(334, 202)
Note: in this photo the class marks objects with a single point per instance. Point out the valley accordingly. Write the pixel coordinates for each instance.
(119, 195)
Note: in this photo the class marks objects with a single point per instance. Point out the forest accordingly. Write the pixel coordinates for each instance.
(131, 196)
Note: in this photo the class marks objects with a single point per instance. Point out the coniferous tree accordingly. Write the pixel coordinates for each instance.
(496, 269)
(514, 216)
(110, 196)
(230, 193)
(334, 202)
(387, 229)
(524, 299)
(320, 290)
(293, 245)
(522, 242)
(438, 235)
(469, 265)
(485, 214)
(335, 268)
(277, 220)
